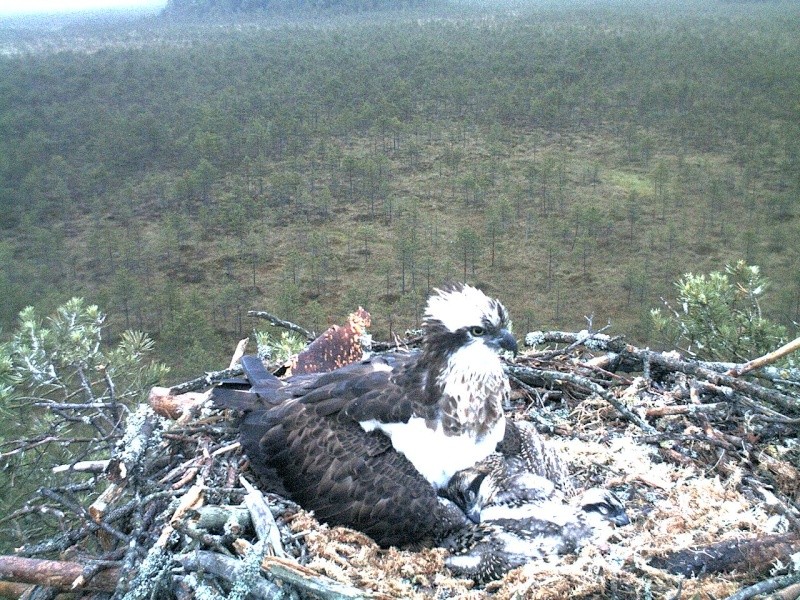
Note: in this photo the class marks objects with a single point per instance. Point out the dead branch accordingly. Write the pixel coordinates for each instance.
(278, 322)
(263, 521)
(205, 381)
(532, 376)
(685, 409)
(57, 574)
(310, 581)
(748, 555)
(241, 347)
(174, 406)
(90, 466)
(765, 587)
(228, 569)
(767, 359)
(672, 363)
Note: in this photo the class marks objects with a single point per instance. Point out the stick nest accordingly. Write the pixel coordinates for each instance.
(705, 462)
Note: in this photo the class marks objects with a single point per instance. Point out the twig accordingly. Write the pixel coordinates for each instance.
(277, 322)
(766, 586)
(528, 374)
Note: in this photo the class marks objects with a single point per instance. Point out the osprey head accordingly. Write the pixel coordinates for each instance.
(459, 315)
(604, 505)
(496, 482)
(467, 490)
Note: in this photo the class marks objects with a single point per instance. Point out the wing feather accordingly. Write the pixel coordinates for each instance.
(347, 476)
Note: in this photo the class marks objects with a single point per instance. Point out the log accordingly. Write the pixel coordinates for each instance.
(58, 574)
(747, 555)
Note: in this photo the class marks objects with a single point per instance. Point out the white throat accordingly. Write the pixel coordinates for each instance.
(471, 372)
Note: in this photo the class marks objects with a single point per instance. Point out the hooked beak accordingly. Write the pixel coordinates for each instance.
(620, 519)
(506, 341)
(474, 514)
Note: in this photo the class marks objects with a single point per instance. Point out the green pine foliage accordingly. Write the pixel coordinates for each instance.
(719, 317)
(64, 395)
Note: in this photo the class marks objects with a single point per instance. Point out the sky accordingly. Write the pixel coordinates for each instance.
(9, 7)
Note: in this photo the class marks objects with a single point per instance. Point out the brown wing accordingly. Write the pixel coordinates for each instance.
(374, 389)
(328, 464)
(336, 347)
(306, 443)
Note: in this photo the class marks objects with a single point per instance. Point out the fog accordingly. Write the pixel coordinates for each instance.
(22, 7)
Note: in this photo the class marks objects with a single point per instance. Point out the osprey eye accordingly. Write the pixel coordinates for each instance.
(477, 331)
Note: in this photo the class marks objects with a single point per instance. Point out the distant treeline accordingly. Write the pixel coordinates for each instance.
(575, 160)
(227, 7)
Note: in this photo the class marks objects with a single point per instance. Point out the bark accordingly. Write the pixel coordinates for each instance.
(57, 574)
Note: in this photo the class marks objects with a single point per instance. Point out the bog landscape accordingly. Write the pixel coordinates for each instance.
(164, 174)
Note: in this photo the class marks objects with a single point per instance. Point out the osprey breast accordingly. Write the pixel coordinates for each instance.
(434, 453)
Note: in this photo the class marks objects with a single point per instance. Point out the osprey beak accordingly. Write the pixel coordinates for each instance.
(620, 519)
(506, 341)
(474, 514)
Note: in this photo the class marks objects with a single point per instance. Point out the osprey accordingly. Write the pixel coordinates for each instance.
(368, 445)
(522, 517)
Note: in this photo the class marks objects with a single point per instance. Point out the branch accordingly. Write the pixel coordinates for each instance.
(56, 574)
(529, 375)
(767, 359)
(261, 516)
(205, 381)
(766, 586)
(693, 368)
(309, 335)
(746, 555)
(310, 581)
(227, 568)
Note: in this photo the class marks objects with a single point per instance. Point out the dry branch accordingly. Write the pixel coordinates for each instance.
(533, 376)
(278, 322)
(310, 581)
(174, 406)
(57, 574)
(747, 555)
(767, 359)
(90, 466)
(228, 569)
(765, 587)
(205, 381)
(263, 521)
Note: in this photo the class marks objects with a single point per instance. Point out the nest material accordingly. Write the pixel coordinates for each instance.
(705, 465)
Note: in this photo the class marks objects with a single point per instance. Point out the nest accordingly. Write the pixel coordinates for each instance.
(703, 457)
